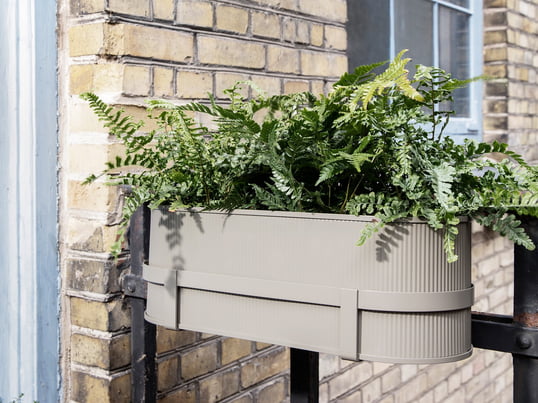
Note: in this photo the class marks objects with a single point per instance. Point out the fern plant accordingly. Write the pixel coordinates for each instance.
(373, 146)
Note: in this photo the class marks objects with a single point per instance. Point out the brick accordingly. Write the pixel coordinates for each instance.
(230, 52)
(153, 43)
(379, 367)
(136, 80)
(265, 25)
(316, 34)
(497, 106)
(411, 390)
(328, 365)
(192, 84)
(97, 276)
(282, 59)
(303, 32)
(289, 29)
(496, 70)
(390, 380)
(163, 9)
(88, 388)
(371, 391)
(196, 13)
(324, 392)
(293, 86)
(224, 81)
(388, 399)
(234, 349)
(262, 346)
(497, 18)
(131, 7)
(275, 392)
(270, 85)
(184, 395)
(81, 78)
(163, 82)
(90, 236)
(219, 386)
(353, 397)
(109, 316)
(495, 37)
(323, 64)
(335, 37)
(87, 6)
(427, 398)
(168, 340)
(167, 374)
(349, 379)
(497, 88)
(440, 391)
(317, 87)
(98, 78)
(86, 39)
(107, 354)
(264, 366)
(335, 10)
(495, 54)
(408, 371)
(438, 372)
(454, 382)
(233, 19)
(242, 399)
(199, 361)
(95, 156)
(94, 196)
(282, 4)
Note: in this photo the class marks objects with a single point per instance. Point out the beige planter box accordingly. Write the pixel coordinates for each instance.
(297, 279)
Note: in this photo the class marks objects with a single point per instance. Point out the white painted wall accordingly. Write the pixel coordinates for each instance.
(28, 201)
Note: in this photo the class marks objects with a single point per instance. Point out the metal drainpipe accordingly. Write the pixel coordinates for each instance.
(526, 315)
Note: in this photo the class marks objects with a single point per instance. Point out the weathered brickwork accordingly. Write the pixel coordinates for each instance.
(510, 58)
(181, 50)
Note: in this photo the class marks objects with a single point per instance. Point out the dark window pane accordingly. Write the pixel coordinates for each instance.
(454, 52)
(368, 30)
(413, 30)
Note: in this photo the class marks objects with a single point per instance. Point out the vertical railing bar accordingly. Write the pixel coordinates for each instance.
(143, 333)
(304, 376)
(526, 314)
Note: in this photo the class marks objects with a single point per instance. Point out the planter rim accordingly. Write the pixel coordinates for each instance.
(299, 215)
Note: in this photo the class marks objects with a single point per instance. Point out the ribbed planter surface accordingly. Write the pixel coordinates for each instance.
(297, 279)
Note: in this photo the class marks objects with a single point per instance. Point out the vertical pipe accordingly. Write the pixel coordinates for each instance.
(526, 313)
(143, 334)
(304, 376)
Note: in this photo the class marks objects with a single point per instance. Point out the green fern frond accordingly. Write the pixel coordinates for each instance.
(394, 76)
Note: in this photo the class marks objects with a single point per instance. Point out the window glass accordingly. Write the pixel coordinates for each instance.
(454, 52)
(368, 32)
(413, 28)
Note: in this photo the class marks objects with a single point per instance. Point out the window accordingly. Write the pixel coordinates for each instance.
(443, 33)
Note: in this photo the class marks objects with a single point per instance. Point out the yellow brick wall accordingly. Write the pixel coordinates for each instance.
(181, 50)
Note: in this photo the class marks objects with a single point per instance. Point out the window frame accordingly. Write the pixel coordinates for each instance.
(459, 127)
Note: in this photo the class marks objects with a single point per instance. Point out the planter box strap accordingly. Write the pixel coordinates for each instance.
(389, 301)
(383, 301)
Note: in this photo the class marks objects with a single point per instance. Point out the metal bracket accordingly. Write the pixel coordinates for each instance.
(500, 333)
(134, 286)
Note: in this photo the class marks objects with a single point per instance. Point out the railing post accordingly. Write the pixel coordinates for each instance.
(526, 315)
(143, 334)
(304, 376)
